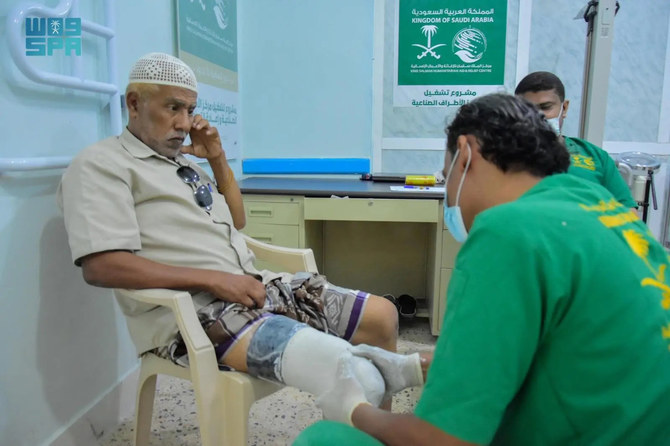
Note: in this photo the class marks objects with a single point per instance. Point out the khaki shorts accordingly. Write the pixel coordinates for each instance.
(307, 298)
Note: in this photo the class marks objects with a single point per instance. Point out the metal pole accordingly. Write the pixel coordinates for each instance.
(600, 35)
(645, 204)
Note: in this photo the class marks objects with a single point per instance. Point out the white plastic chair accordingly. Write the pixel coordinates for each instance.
(223, 399)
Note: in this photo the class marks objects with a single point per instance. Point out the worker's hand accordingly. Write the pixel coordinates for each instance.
(205, 140)
(345, 395)
(237, 288)
(399, 371)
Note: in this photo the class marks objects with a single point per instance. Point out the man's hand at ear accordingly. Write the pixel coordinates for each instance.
(205, 140)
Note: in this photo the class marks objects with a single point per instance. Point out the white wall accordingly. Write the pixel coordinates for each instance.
(305, 78)
(65, 345)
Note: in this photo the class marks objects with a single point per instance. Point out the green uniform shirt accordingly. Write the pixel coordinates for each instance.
(557, 328)
(594, 164)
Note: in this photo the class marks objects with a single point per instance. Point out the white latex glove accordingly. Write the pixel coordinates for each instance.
(344, 396)
(399, 371)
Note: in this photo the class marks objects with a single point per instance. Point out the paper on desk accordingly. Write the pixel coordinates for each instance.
(417, 188)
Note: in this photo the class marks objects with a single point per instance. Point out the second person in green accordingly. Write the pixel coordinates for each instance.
(588, 161)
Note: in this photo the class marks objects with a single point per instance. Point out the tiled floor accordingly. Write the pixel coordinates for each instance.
(275, 420)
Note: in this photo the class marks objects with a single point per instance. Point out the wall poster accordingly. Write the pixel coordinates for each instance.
(207, 42)
(448, 51)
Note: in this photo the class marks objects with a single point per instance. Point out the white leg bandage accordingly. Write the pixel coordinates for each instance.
(297, 355)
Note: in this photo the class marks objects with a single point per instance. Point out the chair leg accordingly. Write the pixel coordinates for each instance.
(236, 415)
(144, 407)
(209, 405)
(223, 416)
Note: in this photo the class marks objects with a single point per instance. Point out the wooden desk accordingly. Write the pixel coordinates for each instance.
(363, 235)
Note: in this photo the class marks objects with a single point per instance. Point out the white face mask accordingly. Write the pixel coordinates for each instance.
(556, 122)
(452, 214)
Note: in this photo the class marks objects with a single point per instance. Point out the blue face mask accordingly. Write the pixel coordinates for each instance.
(556, 122)
(453, 218)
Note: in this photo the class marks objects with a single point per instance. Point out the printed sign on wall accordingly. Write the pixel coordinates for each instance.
(448, 51)
(207, 42)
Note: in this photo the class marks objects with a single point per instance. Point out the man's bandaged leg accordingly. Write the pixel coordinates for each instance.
(297, 355)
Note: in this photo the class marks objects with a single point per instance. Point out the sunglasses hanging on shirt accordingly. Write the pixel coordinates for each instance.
(201, 192)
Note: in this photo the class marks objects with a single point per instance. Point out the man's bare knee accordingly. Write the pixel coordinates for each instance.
(379, 324)
(237, 354)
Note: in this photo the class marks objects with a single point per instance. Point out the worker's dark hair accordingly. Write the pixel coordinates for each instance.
(512, 134)
(541, 81)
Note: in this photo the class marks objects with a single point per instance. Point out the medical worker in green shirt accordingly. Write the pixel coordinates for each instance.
(546, 91)
(557, 327)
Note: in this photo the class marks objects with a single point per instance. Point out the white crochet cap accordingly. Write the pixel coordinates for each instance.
(161, 68)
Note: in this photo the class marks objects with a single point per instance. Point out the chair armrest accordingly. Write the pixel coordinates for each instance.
(292, 260)
(200, 349)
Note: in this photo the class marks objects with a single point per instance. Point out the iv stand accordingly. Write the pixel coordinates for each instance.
(599, 15)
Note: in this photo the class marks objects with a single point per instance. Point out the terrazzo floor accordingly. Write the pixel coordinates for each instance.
(273, 421)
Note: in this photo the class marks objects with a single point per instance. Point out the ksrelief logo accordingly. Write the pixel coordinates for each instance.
(469, 45)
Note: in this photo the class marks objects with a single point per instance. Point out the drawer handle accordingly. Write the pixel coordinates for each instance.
(265, 238)
(260, 212)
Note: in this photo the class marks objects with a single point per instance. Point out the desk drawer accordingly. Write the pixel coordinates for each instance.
(272, 212)
(371, 209)
(278, 235)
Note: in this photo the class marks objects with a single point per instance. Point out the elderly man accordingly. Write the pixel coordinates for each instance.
(141, 215)
(557, 328)
(546, 91)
